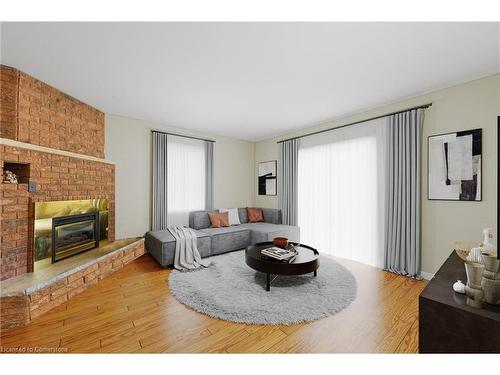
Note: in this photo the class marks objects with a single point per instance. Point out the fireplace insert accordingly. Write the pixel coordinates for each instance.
(74, 234)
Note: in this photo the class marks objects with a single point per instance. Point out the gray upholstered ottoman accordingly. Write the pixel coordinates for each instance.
(161, 245)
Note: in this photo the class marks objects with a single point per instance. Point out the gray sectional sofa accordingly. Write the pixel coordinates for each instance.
(212, 241)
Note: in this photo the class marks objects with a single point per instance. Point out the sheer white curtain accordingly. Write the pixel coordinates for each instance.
(341, 191)
(186, 178)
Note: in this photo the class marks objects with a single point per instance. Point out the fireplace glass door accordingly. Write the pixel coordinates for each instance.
(74, 234)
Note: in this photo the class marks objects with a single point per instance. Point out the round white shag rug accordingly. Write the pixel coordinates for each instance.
(231, 290)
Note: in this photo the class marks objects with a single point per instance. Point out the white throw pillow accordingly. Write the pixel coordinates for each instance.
(232, 213)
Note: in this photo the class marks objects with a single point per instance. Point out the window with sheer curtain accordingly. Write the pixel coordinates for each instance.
(186, 178)
(341, 191)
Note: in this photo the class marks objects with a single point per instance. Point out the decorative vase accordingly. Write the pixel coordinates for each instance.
(473, 289)
(491, 290)
(474, 297)
(491, 263)
(280, 242)
(487, 246)
(474, 274)
(490, 281)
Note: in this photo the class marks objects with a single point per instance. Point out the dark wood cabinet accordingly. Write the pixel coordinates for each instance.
(447, 324)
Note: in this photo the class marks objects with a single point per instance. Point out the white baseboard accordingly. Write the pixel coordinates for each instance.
(427, 275)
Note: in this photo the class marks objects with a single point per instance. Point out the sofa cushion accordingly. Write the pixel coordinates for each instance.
(255, 215)
(228, 239)
(234, 218)
(272, 215)
(218, 219)
(242, 213)
(161, 245)
(199, 219)
(261, 232)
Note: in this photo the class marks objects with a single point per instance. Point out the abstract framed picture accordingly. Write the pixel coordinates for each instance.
(267, 177)
(454, 166)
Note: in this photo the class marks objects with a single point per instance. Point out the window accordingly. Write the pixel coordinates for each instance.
(341, 191)
(186, 178)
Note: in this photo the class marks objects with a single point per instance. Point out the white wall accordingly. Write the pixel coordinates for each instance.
(128, 144)
(471, 105)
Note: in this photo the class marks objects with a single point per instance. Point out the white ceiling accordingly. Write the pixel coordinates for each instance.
(249, 80)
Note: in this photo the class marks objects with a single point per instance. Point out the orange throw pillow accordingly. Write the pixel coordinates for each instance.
(218, 220)
(255, 215)
(214, 219)
(224, 219)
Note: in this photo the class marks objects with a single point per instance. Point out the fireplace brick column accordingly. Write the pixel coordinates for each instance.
(59, 141)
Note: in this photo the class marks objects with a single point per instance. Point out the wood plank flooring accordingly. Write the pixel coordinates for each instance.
(133, 311)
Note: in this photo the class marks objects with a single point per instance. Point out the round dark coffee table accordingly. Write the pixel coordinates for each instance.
(307, 261)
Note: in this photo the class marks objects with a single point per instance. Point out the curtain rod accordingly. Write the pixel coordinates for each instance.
(356, 122)
(181, 135)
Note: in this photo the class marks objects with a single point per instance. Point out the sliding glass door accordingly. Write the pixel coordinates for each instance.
(341, 189)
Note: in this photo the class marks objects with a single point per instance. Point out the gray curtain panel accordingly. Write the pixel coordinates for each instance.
(209, 172)
(402, 239)
(288, 178)
(159, 212)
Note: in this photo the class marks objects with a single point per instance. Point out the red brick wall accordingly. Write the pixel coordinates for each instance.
(58, 178)
(9, 79)
(34, 112)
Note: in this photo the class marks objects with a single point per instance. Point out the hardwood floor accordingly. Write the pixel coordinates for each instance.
(133, 311)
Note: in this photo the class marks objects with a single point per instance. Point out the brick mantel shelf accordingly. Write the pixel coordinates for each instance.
(28, 146)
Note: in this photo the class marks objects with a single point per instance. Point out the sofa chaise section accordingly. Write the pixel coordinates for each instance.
(261, 232)
(161, 245)
(228, 238)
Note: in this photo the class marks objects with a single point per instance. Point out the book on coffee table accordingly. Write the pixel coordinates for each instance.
(278, 254)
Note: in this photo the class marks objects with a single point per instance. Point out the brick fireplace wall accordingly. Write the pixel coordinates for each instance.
(58, 178)
(9, 90)
(34, 113)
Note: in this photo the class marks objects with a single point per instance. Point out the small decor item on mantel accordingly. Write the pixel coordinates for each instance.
(10, 177)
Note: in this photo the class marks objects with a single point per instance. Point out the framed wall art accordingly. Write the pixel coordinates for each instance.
(454, 166)
(267, 177)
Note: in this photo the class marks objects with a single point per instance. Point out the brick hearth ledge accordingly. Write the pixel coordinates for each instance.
(25, 297)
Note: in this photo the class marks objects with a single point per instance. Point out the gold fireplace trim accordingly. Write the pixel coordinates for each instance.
(50, 209)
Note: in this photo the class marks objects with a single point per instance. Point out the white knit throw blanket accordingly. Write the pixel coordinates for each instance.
(186, 255)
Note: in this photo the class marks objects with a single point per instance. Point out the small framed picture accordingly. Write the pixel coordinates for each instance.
(454, 166)
(267, 177)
